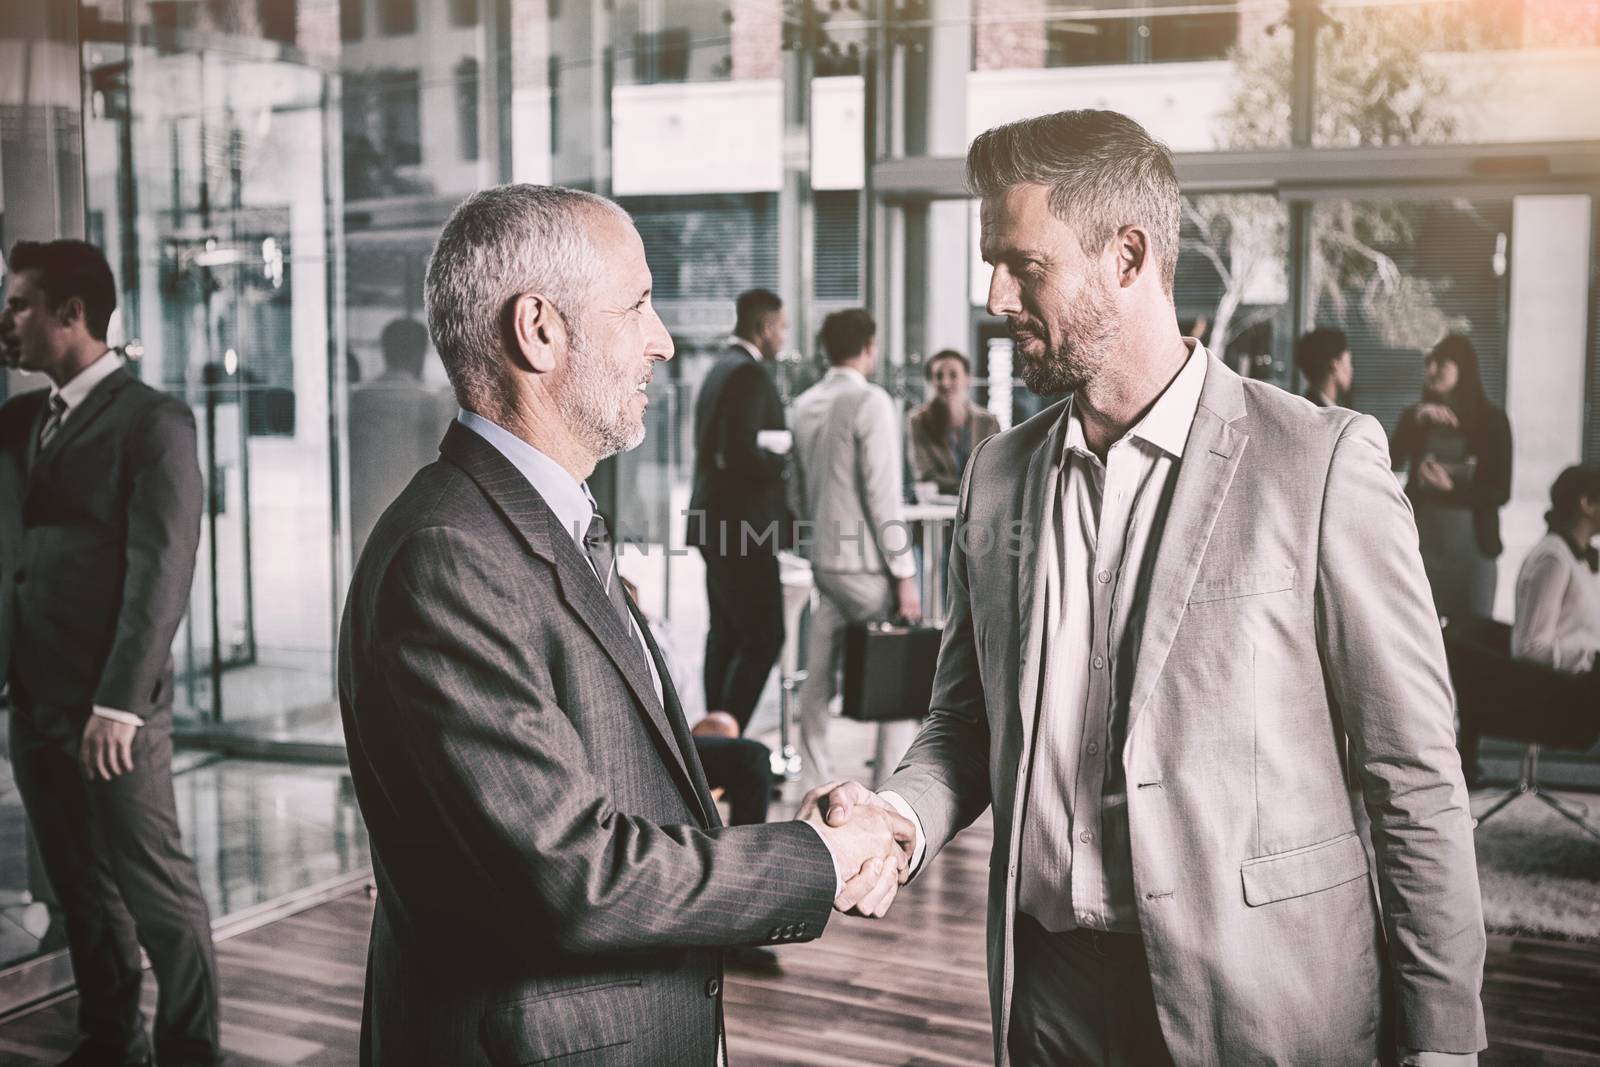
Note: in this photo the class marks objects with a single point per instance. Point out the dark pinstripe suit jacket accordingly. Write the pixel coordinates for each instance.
(553, 882)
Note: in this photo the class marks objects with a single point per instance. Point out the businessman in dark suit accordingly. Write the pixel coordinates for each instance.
(101, 489)
(553, 883)
(737, 509)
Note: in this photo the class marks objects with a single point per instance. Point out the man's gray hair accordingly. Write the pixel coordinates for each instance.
(499, 244)
(1104, 172)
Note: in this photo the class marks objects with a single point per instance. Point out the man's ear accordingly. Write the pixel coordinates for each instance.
(1132, 247)
(538, 336)
(72, 310)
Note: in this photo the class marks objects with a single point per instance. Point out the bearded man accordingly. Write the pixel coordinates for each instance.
(1212, 644)
(553, 880)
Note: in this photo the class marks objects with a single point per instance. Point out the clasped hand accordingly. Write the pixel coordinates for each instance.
(868, 837)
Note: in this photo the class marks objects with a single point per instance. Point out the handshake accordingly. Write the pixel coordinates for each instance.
(871, 842)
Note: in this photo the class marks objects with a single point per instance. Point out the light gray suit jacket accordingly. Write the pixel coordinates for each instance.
(1289, 655)
(845, 485)
(553, 881)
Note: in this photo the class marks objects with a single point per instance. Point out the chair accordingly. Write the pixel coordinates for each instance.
(1522, 701)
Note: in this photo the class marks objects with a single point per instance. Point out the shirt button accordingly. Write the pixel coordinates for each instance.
(713, 987)
(1098, 662)
(1094, 747)
(1086, 837)
(1104, 576)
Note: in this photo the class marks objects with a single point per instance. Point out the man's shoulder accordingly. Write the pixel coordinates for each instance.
(1288, 421)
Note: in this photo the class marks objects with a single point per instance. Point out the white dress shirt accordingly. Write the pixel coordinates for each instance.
(1558, 608)
(73, 394)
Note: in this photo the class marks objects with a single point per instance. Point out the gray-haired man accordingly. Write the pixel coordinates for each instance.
(1220, 625)
(552, 877)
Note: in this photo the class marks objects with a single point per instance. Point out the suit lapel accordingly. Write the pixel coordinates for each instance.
(1039, 491)
(87, 412)
(1217, 441)
(576, 583)
(675, 716)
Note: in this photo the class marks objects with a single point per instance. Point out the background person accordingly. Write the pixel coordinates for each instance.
(1458, 448)
(101, 474)
(847, 486)
(737, 515)
(942, 433)
(1323, 358)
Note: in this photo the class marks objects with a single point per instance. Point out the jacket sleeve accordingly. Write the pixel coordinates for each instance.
(1491, 483)
(1384, 661)
(163, 535)
(476, 721)
(878, 467)
(741, 414)
(944, 776)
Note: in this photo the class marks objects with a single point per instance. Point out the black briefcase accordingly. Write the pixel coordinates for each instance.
(888, 670)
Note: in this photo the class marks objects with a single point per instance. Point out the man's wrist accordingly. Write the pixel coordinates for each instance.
(900, 805)
(127, 718)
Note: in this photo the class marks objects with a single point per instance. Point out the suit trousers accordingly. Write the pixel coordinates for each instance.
(746, 634)
(115, 859)
(1082, 998)
(742, 769)
(841, 600)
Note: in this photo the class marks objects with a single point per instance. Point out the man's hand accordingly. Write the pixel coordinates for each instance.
(872, 889)
(908, 603)
(107, 748)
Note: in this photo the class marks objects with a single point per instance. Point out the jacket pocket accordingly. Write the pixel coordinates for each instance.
(1304, 870)
(1248, 583)
(564, 1024)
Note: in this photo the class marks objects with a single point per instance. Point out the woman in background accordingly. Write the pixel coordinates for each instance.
(1557, 620)
(944, 431)
(1457, 446)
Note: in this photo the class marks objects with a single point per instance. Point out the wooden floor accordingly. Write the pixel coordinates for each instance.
(908, 990)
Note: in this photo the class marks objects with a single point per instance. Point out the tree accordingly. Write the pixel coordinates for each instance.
(1374, 87)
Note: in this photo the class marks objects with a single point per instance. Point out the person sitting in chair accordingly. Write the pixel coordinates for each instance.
(1558, 593)
(1557, 621)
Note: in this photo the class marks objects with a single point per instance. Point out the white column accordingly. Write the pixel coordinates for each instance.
(1545, 364)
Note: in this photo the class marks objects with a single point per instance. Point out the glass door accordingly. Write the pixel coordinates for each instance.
(208, 183)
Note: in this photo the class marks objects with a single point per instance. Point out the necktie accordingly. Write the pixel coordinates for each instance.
(602, 556)
(52, 422)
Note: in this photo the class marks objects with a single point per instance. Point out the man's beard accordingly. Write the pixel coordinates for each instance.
(1087, 334)
(595, 400)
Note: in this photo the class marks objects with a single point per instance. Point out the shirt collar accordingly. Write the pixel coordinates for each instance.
(77, 390)
(736, 341)
(845, 372)
(568, 498)
(1166, 425)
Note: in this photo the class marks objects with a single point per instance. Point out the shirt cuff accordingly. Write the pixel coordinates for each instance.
(126, 718)
(1417, 1058)
(898, 803)
(838, 875)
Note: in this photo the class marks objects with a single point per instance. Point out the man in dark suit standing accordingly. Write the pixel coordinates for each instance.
(1323, 358)
(552, 878)
(99, 479)
(737, 510)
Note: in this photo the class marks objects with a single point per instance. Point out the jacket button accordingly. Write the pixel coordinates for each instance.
(775, 933)
(801, 928)
(713, 987)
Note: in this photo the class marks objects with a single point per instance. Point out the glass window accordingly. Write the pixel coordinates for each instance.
(467, 108)
(400, 117)
(396, 17)
(351, 19)
(1456, 71)
(1200, 77)
(464, 12)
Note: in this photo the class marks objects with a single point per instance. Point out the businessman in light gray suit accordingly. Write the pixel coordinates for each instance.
(553, 882)
(1189, 634)
(845, 491)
